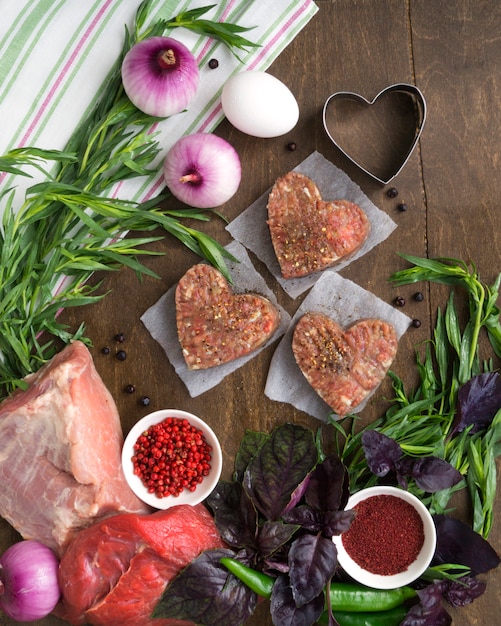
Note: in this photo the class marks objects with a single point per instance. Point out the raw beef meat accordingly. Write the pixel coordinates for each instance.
(115, 572)
(60, 447)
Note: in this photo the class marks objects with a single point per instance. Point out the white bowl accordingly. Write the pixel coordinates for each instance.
(202, 490)
(414, 571)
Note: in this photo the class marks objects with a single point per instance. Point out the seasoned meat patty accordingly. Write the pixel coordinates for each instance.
(216, 325)
(343, 366)
(309, 234)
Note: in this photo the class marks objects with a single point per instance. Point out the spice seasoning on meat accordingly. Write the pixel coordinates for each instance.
(172, 456)
(386, 536)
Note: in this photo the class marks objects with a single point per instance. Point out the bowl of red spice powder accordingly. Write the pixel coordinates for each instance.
(391, 541)
(171, 457)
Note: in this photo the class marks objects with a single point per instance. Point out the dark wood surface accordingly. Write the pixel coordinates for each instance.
(451, 185)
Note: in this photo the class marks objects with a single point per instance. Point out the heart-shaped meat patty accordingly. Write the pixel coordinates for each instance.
(214, 324)
(309, 234)
(343, 366)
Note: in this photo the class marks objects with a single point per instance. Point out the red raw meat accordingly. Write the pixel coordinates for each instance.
(343, 365)
(115, 572)
(60, 448)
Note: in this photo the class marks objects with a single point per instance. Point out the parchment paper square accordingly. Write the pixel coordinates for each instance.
(346, 303)
(251, 230)
(160, 320)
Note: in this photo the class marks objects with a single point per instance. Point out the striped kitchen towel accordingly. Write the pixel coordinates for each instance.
(56, 54)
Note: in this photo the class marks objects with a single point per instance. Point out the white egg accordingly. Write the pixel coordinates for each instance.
(259, 104)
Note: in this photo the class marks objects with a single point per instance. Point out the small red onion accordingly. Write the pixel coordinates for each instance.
(29, 587)
(202, 170)
(160, 76)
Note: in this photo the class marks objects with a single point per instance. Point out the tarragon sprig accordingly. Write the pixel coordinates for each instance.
(69, 226)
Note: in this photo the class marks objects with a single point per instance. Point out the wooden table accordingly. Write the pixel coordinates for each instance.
(451, 185)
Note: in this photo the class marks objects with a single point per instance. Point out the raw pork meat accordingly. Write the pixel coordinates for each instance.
(115, 572)
(60, 447)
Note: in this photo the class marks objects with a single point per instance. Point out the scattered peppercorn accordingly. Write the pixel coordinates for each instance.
(130, 389)
(213, 64)
(121, 355)
(291, 146)
(418, 296)
(399, 301)
(120, 337)
(144, 401)
(402, 207)
(392, 192)
(172, 456)
(416, 323)
(105, 350)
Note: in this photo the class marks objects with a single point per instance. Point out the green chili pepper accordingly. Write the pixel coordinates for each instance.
(358, 599)
(343, 596)
(260, 583)
(393, 617)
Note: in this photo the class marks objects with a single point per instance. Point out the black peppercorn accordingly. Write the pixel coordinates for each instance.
(392, 192)
(130, 389)
(399, 301)
(418, 296)
(120, 337)
(291, 146)
(213, 64)
(402, 207)
(416, 323)
(121, 355)
(144, 401)
(105, 350)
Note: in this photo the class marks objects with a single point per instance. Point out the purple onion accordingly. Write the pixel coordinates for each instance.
(29, 588)
(202, 170)
(160, 76)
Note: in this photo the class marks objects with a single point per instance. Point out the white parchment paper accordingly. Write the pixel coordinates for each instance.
(251, 230)
(346, 303)
(160, 320)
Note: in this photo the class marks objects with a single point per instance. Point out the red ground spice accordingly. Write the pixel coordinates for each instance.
(172, 456)
(386, 535)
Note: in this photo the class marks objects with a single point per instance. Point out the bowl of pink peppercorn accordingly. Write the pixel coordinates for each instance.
(391, 541)
(171, 457)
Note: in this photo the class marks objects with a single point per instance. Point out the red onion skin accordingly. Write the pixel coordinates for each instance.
(210, 167)
(155, 88)
(29, 588)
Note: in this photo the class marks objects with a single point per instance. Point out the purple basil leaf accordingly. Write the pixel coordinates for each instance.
(381, 452)
(433, 474)
(251, 443)
(459, 543)
(297, 494)
(429, 611)
(305, 517)
(312, 561)
(234, 514)
(336, 522)
(328, 485)
(273, 535)
(281, 464)
(284, 611)
(463, 591)
(221, 599)
(479, 400)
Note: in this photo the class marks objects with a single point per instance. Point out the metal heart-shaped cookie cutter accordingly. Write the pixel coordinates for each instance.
(419, 115)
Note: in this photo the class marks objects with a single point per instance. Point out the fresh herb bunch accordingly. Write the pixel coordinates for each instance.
(453, 415)
(68, 226)
(277, 517)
